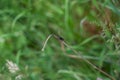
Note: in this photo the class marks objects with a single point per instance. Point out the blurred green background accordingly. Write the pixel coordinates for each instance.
(88, 26)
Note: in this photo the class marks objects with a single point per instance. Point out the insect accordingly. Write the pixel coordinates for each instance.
(59, 37)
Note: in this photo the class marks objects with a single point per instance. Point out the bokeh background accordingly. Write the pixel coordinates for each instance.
(91, 27)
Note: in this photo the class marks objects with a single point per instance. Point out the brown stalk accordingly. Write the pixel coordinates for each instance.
(63, 43)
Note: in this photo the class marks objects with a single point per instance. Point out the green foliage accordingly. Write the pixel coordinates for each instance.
(25, 25)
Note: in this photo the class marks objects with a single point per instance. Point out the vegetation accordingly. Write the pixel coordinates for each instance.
(90, 28)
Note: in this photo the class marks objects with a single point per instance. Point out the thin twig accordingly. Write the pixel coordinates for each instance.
(87, 61)
(46, 42)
